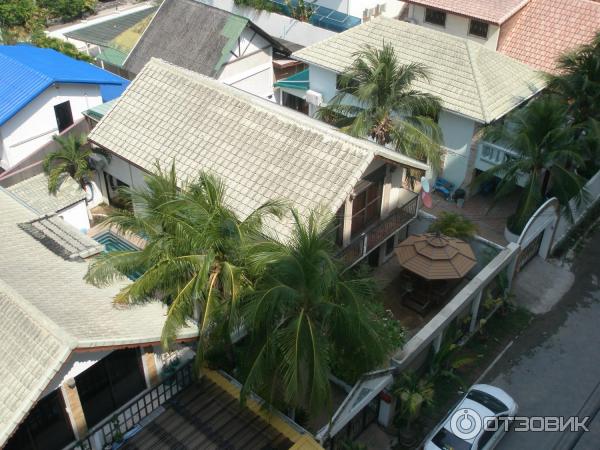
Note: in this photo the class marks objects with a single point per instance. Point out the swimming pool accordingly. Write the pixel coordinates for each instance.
(113, 242)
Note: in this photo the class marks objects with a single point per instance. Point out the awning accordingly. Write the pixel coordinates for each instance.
(298, 81)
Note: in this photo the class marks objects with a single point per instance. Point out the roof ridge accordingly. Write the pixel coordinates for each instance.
(141, 36)
(475, 72)
(514, 11)
(286, 114)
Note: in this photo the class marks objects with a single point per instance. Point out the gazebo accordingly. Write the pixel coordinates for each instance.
(436, 259)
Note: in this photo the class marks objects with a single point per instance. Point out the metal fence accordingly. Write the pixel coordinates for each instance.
(116, 427)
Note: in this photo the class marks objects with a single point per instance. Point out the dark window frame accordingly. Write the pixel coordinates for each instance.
(473, 31)
(63, 114)
(435, 17)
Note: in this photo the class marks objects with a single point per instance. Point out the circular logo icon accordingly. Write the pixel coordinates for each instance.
(465, 423)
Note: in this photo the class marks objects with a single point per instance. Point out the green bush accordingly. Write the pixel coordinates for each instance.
(16, 13)
(43, 41)
(68, 9)
(453, 225)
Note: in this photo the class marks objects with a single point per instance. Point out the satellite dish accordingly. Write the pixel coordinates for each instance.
(425, 184)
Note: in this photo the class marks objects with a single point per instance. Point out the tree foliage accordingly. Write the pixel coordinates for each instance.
(376, 99)
(547, 157)
(71, 159)
(39, 39)
(453, 225)
(67, 9)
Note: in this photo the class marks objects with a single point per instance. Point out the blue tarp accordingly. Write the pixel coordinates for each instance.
(26, 71)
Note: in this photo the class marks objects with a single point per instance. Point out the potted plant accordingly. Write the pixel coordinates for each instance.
(414, 393)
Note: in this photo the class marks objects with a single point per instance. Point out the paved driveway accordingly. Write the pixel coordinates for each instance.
(554, 367)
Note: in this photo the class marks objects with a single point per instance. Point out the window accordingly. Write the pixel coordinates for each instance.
(340, 83)
(491, 403)
(64, 116)
(110, 383)
(485, 437)
(46, 427)
(478, 28)
(435, 17)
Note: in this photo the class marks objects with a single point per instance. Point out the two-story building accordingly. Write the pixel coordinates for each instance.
(262, 151)
(535, 32)
(42, 93)
(476, 85)
(210, 41)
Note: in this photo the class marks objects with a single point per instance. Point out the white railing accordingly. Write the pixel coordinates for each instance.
(493, 153)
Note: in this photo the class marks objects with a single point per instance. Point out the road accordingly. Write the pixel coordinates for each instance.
(553, 368)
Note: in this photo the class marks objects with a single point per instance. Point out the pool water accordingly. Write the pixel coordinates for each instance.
(112, 243)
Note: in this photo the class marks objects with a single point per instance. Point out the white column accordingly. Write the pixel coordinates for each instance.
(347, 221)
(475, 310)
(385, 195)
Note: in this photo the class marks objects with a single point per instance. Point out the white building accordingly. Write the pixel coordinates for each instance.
(209, 41)
(476, 85)
(42, 93)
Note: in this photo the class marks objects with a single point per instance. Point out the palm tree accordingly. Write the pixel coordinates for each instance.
(376, 100)
(71, 159)
(453, 225)
(192, 260)
(546, 154)
(578, 81)
(305, 312)
(415, 393)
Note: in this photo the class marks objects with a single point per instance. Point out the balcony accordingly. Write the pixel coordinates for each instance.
(490, 155)
(321, 16)
(381, 231)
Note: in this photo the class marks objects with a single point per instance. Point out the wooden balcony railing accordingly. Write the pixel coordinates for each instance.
(379, 232)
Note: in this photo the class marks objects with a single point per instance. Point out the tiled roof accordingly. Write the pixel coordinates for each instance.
(47, 310)
(471, 80)
(261, 150)
(545, 29)
(104, 33)
(493, 11)
(190, 34)
(33, 349)
(26, 71)
(34, 192)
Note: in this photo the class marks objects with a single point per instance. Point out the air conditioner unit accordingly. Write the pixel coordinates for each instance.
(314, 97)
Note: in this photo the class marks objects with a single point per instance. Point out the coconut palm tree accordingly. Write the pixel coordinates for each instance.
(547, 157)
(376, 99)
(453, 225)
(192, 260)
(304, 313)
(71, 159)
(577, 81)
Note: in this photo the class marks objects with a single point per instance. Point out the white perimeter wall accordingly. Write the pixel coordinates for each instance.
(35, 124)
(456, 25)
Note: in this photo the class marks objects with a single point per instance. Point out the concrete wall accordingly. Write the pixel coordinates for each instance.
(592, 188)
(455, 25)
(77, 216)
(35, 124)
(458, 132)
(276, 25)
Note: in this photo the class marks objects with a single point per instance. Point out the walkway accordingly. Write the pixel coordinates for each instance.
(490, 223)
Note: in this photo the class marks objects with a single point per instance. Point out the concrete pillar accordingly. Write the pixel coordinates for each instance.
(74, 408)
(150, 367)
(347, 222)
(385, 195)
(475, 310)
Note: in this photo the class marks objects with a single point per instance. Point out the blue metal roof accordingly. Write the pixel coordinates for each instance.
(26, 71)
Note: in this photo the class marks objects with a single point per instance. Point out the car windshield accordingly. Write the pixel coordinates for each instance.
(445, 440)
(491, 403)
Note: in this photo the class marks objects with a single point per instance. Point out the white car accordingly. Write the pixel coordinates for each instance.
(463, 428)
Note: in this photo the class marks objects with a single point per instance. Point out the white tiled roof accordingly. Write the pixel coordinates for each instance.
(471, 80)
(262, 151)
(47, 310)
